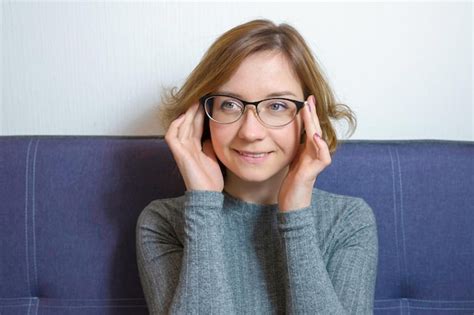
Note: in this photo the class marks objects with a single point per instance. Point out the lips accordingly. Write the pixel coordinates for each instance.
(253, 155)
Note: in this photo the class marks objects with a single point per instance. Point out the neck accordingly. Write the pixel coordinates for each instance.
(265, 192)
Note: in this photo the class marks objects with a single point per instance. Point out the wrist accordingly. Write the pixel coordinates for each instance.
(300, 198)
(204, 198)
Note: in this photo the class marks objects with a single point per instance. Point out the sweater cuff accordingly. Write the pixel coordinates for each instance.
(203, 198)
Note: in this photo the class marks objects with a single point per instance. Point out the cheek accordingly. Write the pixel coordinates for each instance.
(288, 139)
(293, 145)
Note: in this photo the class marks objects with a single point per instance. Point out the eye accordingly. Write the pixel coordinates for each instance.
(277, 107)
(227, 105)
(230, 105)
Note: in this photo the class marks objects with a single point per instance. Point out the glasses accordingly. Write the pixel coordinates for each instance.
(273, 112)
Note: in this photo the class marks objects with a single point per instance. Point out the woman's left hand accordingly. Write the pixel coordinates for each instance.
(310, 160)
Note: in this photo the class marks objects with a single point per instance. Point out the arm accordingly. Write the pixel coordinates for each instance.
(188, 278)
(346, 284)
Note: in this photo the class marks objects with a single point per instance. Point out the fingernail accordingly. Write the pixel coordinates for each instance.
(316, 135)
(309, 106)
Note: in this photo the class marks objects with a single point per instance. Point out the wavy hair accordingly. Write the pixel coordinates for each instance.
(226, 54)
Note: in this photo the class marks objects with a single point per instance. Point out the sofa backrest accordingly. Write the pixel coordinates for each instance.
(69, 206)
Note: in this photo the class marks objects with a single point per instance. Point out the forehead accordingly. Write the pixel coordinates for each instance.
(262, 74)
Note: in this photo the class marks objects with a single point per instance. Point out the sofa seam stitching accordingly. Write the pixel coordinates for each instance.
(33, 208)
(405, 265)
(26, 221)
(395, 214)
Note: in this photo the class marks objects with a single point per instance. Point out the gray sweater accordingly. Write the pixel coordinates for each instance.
(209, 253)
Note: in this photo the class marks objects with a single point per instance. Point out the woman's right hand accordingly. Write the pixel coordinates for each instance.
(197, 163)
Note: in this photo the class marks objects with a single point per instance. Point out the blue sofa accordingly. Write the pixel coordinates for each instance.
(69, 206)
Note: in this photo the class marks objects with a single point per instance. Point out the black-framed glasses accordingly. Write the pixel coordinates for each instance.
(273, 112)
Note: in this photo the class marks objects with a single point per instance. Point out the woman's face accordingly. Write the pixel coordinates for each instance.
(259, 75)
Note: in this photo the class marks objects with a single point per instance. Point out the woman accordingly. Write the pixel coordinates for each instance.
(252, 234)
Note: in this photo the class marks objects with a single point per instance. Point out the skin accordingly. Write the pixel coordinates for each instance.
(289, 173)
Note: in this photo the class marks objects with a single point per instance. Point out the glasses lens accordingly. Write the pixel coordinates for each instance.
(277, 112)
(223, 109)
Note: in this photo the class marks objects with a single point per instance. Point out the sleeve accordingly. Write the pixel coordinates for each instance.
(184, 278)
(346, 284)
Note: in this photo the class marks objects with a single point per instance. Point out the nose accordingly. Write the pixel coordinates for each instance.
(251, 129)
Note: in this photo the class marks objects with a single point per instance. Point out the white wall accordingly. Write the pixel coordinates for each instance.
(96, 68)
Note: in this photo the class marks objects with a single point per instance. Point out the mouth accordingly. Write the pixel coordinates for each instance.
(253, 154)
(253, 157)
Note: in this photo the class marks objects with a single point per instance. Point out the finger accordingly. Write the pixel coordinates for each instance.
(185, 130)
(172, 132)
(311, 146)
(309, 126)
(323, 154)
(311, 120)
(314, 114)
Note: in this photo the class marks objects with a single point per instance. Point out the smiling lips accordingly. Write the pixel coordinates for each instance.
(253, 156)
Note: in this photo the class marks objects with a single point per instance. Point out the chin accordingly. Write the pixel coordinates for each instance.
(252, 178)
(255, 175)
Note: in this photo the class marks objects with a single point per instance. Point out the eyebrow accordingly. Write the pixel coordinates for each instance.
(274, 94)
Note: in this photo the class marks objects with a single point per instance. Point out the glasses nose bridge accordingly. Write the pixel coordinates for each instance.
(255, 104)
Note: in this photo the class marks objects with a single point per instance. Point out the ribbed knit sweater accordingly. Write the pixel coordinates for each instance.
(209, 253)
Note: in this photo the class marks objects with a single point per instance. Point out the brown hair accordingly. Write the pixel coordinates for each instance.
(224, 57)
